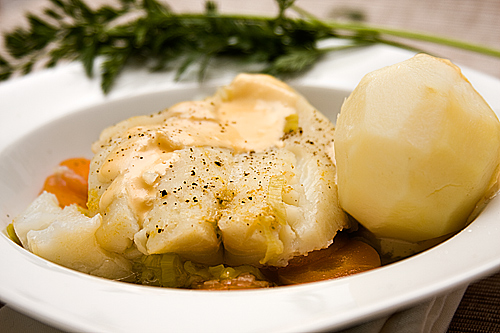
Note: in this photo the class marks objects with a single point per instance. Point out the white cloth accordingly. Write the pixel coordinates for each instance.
(432, 316)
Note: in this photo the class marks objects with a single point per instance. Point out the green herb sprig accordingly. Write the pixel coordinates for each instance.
(148, 32)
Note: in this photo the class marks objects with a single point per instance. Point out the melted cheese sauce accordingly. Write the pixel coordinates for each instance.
(249, 115)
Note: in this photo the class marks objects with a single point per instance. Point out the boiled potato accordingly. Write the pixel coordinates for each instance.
(416, 149)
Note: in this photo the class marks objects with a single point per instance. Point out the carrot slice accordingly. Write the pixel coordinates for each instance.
(344, 257)
(69, 182)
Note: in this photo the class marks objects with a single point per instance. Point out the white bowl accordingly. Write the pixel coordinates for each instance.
(56, 114)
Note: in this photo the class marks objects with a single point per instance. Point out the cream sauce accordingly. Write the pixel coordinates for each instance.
(248, 115)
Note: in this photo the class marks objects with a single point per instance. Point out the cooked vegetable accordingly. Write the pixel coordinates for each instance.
(69, 182)
(344, 257)
(170, 270)
(11, 232)
(417, 148)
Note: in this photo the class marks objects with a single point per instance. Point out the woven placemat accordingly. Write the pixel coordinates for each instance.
(479, 310)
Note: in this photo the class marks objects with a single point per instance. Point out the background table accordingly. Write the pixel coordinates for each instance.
(471, 20)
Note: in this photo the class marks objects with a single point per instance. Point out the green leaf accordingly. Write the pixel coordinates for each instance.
(66, 7)
(296, 60)
(5, 69)
(40, 28)
(188, 61)
(112, 66)
(210, 8)
(53, 13)
(283, 6)
(106, 14)
(204, 66)
(87, 57)
(82, 11)
(141, 33)
(27, 67)
(58, 3)
(3, 62)
(57, 54)
(155, 8)
(19, 43)
(5, 74)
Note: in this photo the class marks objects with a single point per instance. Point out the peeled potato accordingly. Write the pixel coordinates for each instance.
(416, 149)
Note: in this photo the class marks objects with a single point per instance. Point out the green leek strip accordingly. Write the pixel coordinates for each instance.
(169, 270)
(195, 270)
(151, 261)
(251, 270)
(12, 234)
(274, 244)
(222, 272)
(216, 271)
(275, 195)
(165, 270)
(172, 271)
(292, 123)
(229, 273)
(150, 270)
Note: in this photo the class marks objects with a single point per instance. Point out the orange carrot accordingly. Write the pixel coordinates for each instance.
(70, 182)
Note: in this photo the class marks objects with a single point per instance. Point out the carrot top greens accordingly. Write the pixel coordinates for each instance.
(149, 33)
